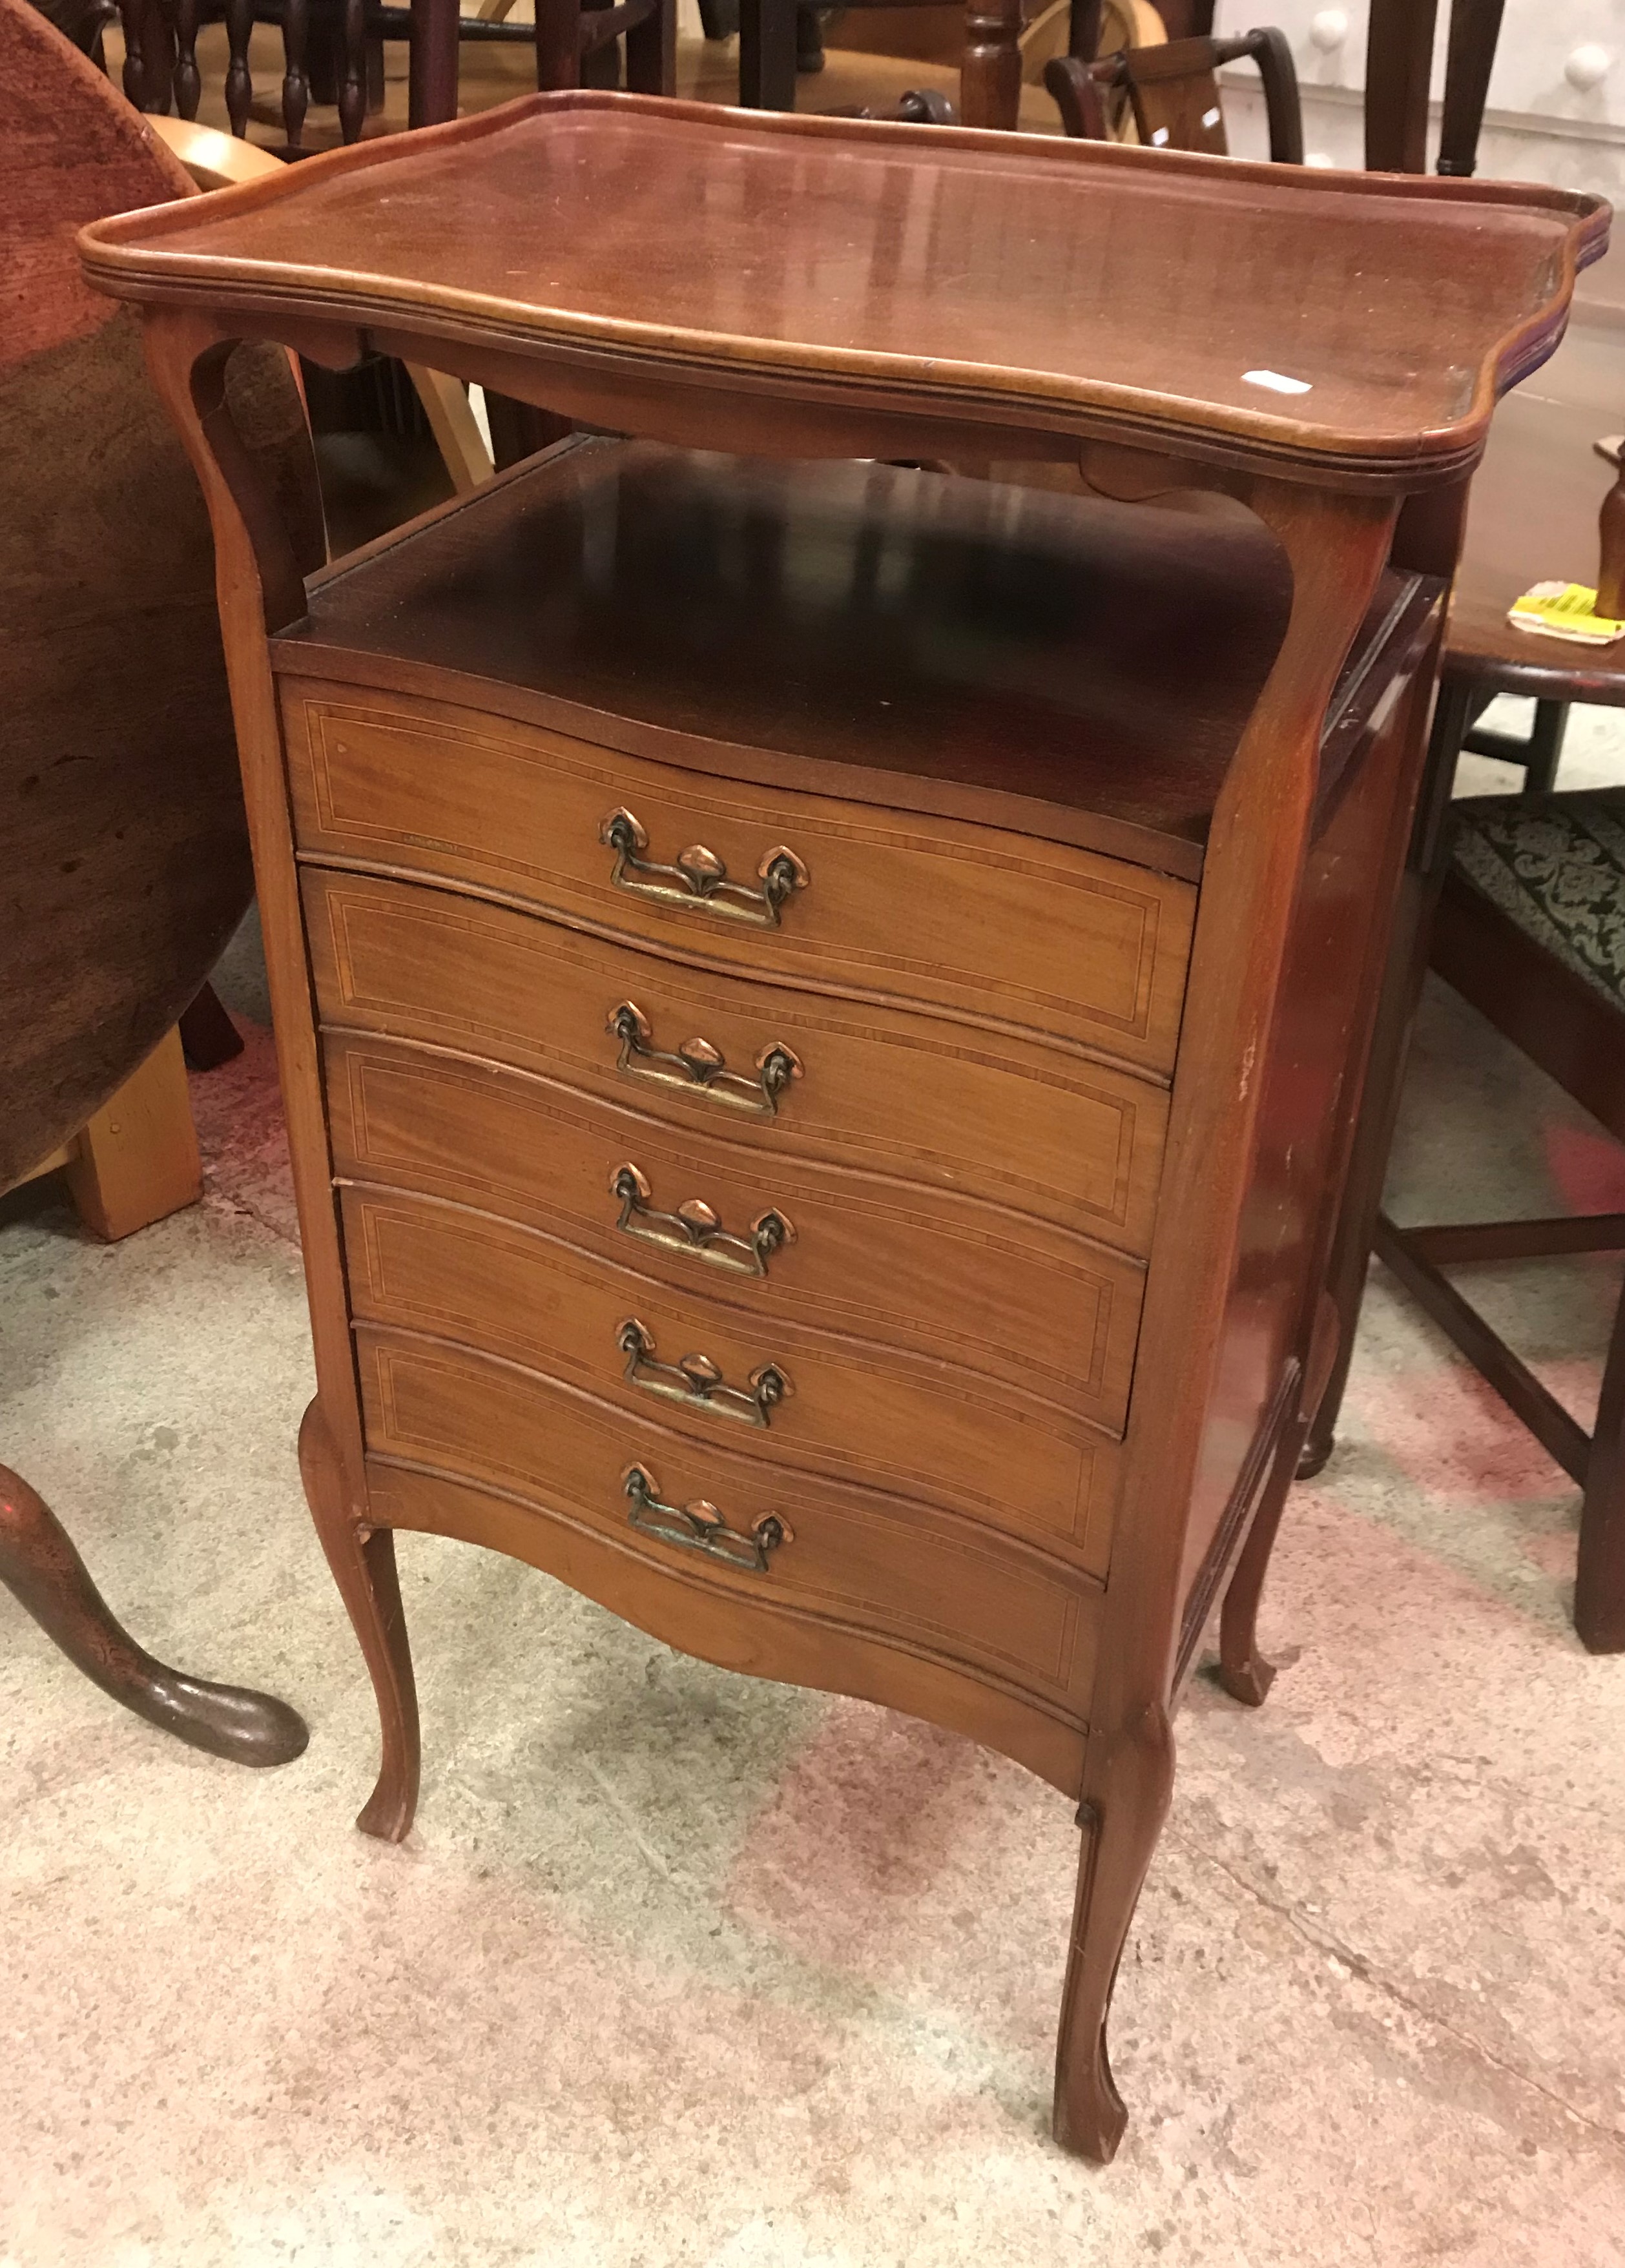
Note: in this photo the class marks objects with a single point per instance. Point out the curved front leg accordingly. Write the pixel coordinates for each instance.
(1127, 1783)
(363, 1563)
(44, 1572)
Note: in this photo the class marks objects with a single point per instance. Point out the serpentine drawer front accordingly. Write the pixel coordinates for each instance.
(995, 928)
(913, 1424)
(943, 1276)
(820, 1003)
(1074, 1144)
(878, 1563)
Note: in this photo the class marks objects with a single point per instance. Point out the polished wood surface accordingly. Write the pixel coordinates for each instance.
(411, 787)
(479, 793)
(1016, 1457)
(931, 1273)
(876, 1091)
(823, 261)
(857, 1557)
(1007, 642)
(118, 776)
(1532, 519)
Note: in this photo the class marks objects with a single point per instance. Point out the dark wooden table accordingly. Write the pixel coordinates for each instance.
(1073, 945)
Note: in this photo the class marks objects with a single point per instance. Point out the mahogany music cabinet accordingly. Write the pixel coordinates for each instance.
(820, 1003)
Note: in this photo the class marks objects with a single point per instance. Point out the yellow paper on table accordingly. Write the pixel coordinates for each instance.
(1565, 610)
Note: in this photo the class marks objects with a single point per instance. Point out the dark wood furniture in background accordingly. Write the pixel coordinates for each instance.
(796, 981)
(1535, 514)
(333, 52)
(1539, 957)
(1399, 64)
(1174, 95)
(123, 854)
(990, 70)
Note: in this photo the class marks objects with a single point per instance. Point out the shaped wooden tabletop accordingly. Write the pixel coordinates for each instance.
(1363, 325)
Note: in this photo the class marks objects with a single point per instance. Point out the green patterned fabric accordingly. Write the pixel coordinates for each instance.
(1555, 865)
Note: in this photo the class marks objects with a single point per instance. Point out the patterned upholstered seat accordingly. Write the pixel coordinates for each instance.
(1555, 865)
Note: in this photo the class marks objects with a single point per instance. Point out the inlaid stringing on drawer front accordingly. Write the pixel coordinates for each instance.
(866, 1414)
(984, 925)
(941, 1276)
(1068, 1142)
(864, 1560)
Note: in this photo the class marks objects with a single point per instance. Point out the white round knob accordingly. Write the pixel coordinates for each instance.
(1587, 67)
(1329, 29)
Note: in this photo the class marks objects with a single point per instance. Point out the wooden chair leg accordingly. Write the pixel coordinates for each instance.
(652, 52)
(1399, 63)
(1474, 30)
(45, 1575)
(239, 81)
(208, 1037)
(767, 54)
(136, 1160)
(990, 77)
(1599, 1576)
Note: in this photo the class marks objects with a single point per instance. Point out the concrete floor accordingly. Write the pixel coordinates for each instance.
(680, 1969)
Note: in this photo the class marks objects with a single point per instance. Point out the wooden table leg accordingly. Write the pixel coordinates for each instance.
(767, 54)
(136, 1161)
(431, 68)
(39, 1566)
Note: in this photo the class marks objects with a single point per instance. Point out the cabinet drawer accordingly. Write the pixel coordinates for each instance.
(870, 1562)
(941, 1276)
(916, 1428)
(1022, 1125)
(993, 927)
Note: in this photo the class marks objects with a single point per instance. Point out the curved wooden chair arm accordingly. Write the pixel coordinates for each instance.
(1073, 89)
(214, 160)
(1174, 93)
(1283, 109)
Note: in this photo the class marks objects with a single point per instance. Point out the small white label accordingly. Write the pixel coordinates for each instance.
(1212, 117)
(1273, 382)
(1159, 139)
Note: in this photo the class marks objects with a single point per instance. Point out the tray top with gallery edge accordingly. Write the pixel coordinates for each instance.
(1351, 328)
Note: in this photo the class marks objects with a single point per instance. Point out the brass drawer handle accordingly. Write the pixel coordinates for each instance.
(696, 1377)
(697, 1064)
(699, 877)
(695, 1228)
(700, 1526)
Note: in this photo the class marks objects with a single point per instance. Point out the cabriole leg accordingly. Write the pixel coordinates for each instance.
(1128, 1780)
(363, 1564)
(1243, 1671)
(45, 1575)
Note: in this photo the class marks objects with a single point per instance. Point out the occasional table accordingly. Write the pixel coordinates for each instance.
(816, 999)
